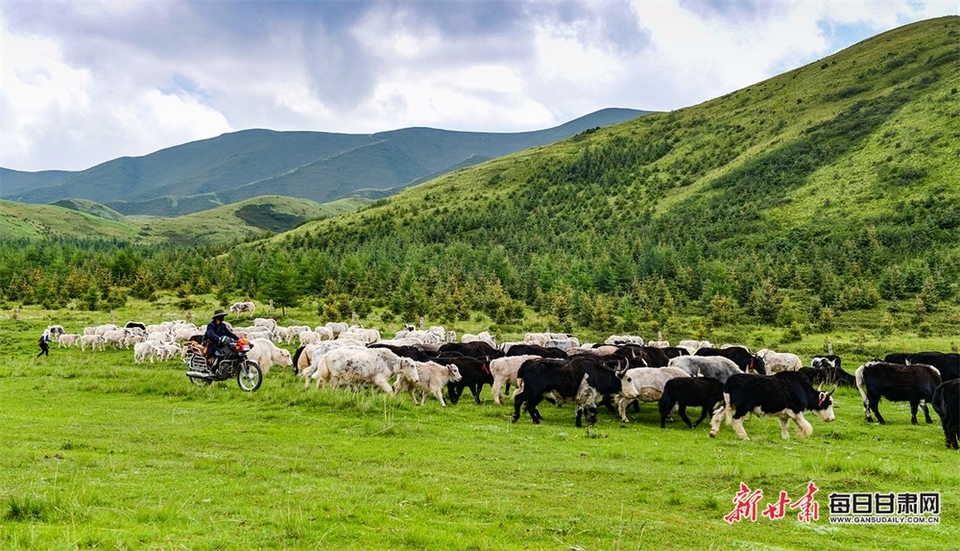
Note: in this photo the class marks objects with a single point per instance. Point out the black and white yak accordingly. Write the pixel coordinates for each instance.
(787, 394)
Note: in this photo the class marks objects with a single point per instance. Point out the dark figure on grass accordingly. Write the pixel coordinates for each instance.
(44, 343)
(214, 336)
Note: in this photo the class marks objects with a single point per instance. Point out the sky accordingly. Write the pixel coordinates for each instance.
(84, 82)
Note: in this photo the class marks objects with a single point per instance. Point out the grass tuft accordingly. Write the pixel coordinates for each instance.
(28, 508)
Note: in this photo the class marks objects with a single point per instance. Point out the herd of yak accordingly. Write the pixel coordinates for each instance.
(727, 383)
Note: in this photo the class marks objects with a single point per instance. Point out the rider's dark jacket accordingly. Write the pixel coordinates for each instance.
(213, 333)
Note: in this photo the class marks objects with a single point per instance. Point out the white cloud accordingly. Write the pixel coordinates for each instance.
(99, 8)
(700, 54)
(37, 90)
(711, 56)
(298, 98)
(426, 78)
(56, 116)
(483, 97)
(563, 56)
(154, 120)
(85, 82)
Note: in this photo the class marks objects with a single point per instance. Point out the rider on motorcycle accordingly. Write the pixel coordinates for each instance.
(216, 336)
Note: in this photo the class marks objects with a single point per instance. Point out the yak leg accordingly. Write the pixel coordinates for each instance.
(608, 402)
(926, 411)
(413, 395)
(534, 412)
(453, 392)
(495, 389)
(913, 412)
(624, 402)
(804, 428)
(591, 415)
(518, 400)
(703, 415)
(587, 403)
(382, 382)
(951, 429)
(682, 410)
(874, 402)
(866, 402)
(738, 428)
(717, 419)
(784, 433)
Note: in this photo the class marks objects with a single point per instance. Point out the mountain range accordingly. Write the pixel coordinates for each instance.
(826, 188)
(319, 166)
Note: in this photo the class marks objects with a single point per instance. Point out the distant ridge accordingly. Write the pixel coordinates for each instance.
(319, 166)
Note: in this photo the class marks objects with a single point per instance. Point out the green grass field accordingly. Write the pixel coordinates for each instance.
(98, 453)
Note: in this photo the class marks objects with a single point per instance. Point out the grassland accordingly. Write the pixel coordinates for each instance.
(101, 454)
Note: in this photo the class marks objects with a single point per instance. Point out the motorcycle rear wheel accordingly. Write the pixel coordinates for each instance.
(200, 382)
(249, 376)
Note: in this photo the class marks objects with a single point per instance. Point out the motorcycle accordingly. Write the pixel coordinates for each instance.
(233, 363)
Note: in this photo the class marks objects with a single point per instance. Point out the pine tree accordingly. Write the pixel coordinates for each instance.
(281, 283)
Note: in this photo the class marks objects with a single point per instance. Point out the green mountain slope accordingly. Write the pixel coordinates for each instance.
(81, 219)
(15, 182)
(834, 185)
(241, 220)
(19, 220)
(90, 207)
(312, 165)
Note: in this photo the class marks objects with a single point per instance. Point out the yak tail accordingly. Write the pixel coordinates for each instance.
(519, 387)
(666, 404)
(318, 370)
(858, 379)
(727, 406)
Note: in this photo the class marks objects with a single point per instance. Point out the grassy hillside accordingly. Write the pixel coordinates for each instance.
(90, 207)
(240, 220)
(833, 186)
(19, 220)
(82, 219)
(313, 165)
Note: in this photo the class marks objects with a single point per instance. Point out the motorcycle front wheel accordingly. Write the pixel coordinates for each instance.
(249, 376)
